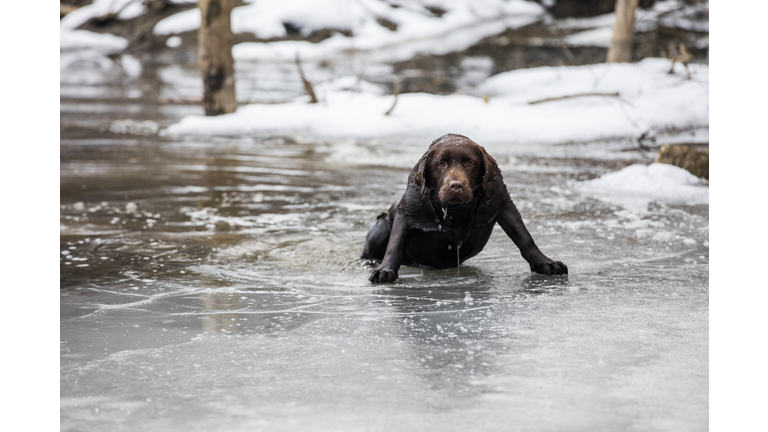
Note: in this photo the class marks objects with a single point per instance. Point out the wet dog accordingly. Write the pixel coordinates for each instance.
(454, 198)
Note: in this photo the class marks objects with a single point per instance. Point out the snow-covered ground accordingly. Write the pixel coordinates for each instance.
(385, 31)
(380, 31)
(630, 99)
(637, 185)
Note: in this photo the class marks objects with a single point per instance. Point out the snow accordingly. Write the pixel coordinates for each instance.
(173, 42)
(181, 22)
(598, 31)
(692, 18)
(650, 98)
(129, 126)
(265, 18)
(130, 65)
(79, 39)
(126, 9)
(605, 20)
(599, 37)
(637, 185)
(86, 45)
(418, 31)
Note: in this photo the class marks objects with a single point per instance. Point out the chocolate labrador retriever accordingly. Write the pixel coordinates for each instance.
(455, 195)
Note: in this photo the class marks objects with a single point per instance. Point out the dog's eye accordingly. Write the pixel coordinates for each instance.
(470, 163)
(441, 164)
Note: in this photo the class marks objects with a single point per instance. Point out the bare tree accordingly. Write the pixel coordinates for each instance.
(214, 57)
(620, 50)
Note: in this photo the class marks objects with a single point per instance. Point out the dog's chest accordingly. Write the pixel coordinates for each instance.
(447, 247)
(455, 224)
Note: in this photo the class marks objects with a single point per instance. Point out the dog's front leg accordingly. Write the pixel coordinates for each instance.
(512, 224)
(393, 257)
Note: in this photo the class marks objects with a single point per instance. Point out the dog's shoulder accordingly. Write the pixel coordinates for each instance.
(417, 208)
(495, 200)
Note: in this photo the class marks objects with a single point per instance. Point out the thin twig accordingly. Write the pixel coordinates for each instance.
(307, 85)
(645, 136)
(571, 96)
(576, 61)
(626, 114)
(397, 92)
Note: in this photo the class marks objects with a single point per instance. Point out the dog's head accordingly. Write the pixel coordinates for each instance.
(456, 168)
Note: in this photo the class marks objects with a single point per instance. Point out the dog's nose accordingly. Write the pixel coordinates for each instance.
(455, 186)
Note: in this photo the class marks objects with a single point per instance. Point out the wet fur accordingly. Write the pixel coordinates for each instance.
(415, 229)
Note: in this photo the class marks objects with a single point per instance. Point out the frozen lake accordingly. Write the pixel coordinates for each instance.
(214, 284)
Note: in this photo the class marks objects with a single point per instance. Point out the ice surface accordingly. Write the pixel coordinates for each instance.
(244, 306)
(128, 126)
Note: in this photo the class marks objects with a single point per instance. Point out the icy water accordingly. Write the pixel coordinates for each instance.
(213, 284)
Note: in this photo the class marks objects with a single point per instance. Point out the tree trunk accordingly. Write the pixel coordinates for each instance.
(214, 57)
(623, 32)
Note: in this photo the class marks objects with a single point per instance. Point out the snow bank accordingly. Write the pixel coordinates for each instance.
(416, 29)
(649, 98)
(125, 9)
(181, 22)
(598, 30)
(80, 39)
(637, 185)
(71, 39)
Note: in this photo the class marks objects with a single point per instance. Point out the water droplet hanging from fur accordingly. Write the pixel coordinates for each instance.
(458, 257)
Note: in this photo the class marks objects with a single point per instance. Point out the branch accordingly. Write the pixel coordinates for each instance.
(397, 92)
(307, 85)
(571, 96)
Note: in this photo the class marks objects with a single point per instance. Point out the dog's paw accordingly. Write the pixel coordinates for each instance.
(550, 268)
(383, 276)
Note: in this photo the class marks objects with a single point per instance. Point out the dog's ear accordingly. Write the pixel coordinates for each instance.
(417, 202)
(490, 172)
(493, 190)
(421, 170)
